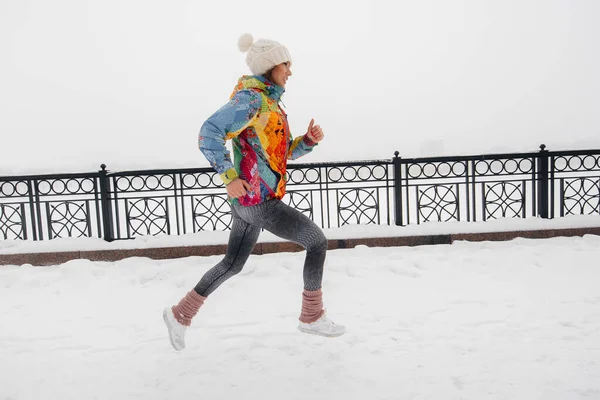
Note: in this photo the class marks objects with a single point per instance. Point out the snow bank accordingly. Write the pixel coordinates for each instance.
(503, 320)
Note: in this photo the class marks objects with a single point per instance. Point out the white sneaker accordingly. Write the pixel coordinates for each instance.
(176, 329)
(322, 327)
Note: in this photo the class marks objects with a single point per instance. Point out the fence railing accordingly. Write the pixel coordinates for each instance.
(125, 205)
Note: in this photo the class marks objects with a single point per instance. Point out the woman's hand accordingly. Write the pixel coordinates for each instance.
(238, 188)
(314, 133)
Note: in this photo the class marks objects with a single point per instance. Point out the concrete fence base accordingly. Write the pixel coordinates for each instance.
(44, 259)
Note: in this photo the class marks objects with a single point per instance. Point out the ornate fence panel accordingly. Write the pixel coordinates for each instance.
(575, 183)
(167, 202)
(17, 209)
(466, 188)
(479, 188)
(125, 205)
(338, 194)
(48, 207)
(178, 202)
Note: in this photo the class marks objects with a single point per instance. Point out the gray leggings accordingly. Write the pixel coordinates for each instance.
(279, 219)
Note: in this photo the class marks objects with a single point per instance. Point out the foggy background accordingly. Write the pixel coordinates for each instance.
(129, 83)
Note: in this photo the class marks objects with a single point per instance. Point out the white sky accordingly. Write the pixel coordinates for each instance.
(129, 83)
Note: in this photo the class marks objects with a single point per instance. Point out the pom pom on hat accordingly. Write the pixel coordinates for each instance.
(263, 54)
(245, 42)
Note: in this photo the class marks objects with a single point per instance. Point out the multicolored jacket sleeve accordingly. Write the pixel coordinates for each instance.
(300, 146)
(226, 123)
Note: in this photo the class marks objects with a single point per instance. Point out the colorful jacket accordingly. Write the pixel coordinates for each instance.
(261, 140)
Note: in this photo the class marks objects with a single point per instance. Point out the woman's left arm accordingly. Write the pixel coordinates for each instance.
(306, 143)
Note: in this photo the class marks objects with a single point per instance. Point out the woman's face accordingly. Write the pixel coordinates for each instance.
(281, 73)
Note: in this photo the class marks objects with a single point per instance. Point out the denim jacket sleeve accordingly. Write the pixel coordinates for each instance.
(300, 146)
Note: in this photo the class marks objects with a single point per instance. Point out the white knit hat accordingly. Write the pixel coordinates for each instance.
(263, 54)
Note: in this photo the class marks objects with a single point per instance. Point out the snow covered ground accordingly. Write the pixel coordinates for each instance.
(506, 320)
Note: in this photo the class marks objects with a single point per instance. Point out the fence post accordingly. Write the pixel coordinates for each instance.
(107, 224)
(397, 189)
(542, 182)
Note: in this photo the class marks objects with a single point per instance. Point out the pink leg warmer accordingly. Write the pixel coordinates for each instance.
(188, 307)
(312, 305)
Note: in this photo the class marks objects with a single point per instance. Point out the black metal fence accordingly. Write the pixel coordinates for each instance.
(125, 205)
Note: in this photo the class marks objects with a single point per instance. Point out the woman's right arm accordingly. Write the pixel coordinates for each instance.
(226, 123)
